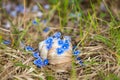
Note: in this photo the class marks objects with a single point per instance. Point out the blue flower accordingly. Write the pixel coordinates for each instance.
(81, 62)
(7, 42)
(65, 46)
(36, 55)
(45, 62)
(66, 41)
(60, 42)
(46, 29)
(77, 52)
(49, 46)
(49, 40)
(29, 48)
(57, 35)
(38, 62)
(78, 58)
(34, 22)
(60, 51)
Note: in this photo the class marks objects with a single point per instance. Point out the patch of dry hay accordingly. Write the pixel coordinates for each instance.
(97, 59)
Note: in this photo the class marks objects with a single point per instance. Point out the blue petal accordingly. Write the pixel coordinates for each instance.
(67, 42)
(60, 51)
(46, 61)
(60, 42)
(57, 35)
(81, 62)
(20, 8)
(38, 62)
(29, 48)
(7, 42)
(36, 55)
(49, 46)
(65, 46)
(34, 22)
(77, 52)
(46, 29)
(78, 58)
(49, 40)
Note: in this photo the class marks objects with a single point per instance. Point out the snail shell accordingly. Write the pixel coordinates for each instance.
(43, 50)
(59, 62)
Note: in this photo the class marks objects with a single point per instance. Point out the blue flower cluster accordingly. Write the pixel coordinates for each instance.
(57, 35)
(76, 53)
(39, 62)
(62, 43)
(64, 46)
(80, 61)
(49, 42)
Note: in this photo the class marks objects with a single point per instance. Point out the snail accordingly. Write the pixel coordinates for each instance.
(57, 50)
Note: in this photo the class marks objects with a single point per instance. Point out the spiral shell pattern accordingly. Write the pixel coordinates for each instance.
(57, 50)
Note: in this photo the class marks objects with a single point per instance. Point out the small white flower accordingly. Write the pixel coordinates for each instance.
(39, 14)
(35, 8)
(20, 28)
(47, 6)
(13, 13)
(22, 45)
(7, 25)
(8, 7)
(102, 6)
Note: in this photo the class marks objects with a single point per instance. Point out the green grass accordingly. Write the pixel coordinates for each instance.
(110, 76)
